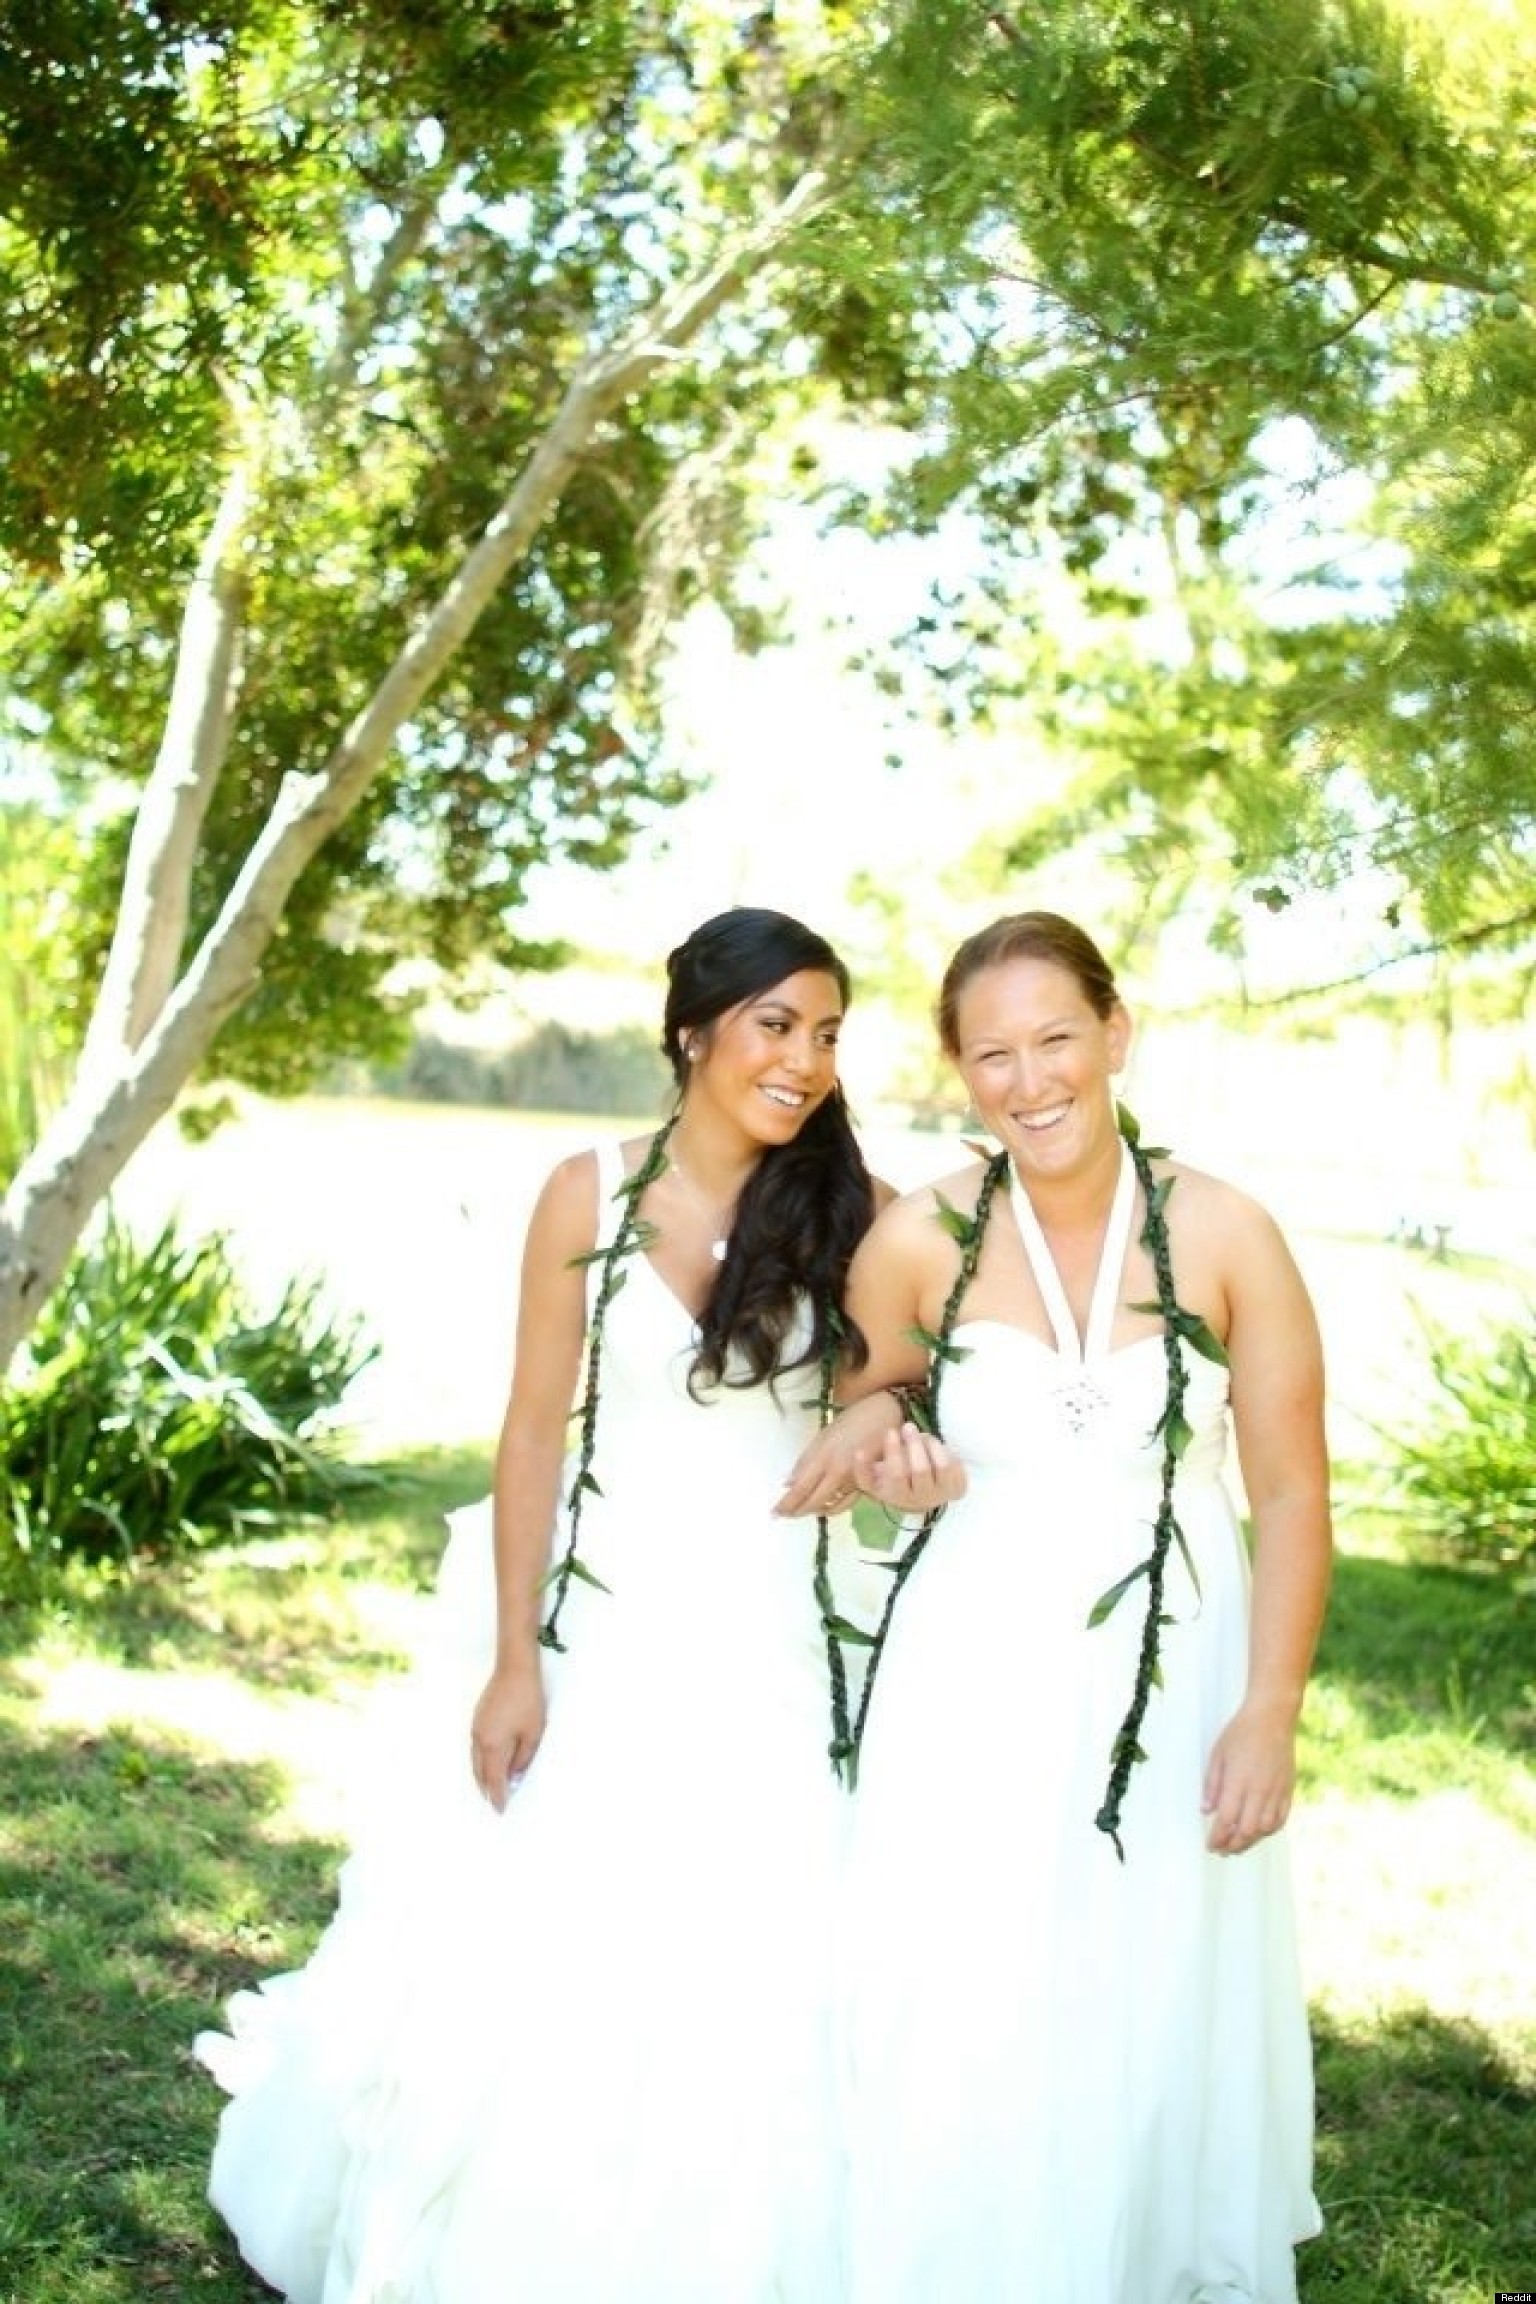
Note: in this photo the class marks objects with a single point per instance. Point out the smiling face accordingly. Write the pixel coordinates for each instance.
(1037, 1059)
(771, 1060)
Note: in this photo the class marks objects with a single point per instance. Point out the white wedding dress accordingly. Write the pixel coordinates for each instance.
(579, 2053)
(1069, 2080)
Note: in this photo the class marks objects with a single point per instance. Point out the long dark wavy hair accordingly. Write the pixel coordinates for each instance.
(808, 1203)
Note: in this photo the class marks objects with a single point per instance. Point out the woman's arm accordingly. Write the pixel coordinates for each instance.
(530, 1455)
(1276, 1361)
(869, 1444)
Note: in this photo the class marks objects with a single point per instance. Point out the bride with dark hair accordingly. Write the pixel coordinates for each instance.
(566, 2039)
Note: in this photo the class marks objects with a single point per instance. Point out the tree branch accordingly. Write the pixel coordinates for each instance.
(365, 307)
(1466, 939)
(106, 1117)
(147, 939)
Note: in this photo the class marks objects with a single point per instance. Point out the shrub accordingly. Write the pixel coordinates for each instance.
(151, 1408)
(1463, 1482)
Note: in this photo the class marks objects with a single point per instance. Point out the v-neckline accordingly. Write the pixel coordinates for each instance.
(669, 1291)
(612, 1176)
(1094, 1343)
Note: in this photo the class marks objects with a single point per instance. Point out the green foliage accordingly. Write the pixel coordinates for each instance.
(153, 1408)
(1237, 394)
(1461, 1481)
(107, 396)
(435, 213)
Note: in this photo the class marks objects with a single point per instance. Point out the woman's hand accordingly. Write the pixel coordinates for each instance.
(1250, 1778)
(911, 1471)
(825, 1478)
(508, 1728)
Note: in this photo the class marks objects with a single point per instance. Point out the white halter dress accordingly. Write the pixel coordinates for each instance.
(1070, 2080)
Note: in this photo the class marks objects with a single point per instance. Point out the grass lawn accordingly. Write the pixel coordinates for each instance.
(169, 1757)
(1416, 1846)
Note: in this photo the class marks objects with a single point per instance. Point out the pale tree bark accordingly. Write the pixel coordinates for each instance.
(156, 899)
(113, 1106)
(149, 936)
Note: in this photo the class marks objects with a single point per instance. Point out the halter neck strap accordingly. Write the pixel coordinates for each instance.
(1101, 1309)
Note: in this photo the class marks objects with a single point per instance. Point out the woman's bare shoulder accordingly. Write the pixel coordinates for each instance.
(914, 1211)
(564, 1219)
(1214, 1199)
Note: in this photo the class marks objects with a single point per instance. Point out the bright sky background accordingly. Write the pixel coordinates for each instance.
(797, 751)
(795, 748)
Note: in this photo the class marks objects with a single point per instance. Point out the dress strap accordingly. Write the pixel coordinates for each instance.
(1101, 1309)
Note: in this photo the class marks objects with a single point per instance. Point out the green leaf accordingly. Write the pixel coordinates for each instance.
(1174, 1430)
(1109, 1601)
(587, 1481)
(1127, 1122)
(853, 1634)
(1200, 1338)
(580, 1568)
(875, 1527)
(960, 1227)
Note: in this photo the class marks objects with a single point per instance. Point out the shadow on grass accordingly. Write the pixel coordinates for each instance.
(138, 1887)
(275, 1602)
(1426, 2143)
(1417, 1646)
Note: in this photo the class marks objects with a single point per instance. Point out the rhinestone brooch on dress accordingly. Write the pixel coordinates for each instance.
(1081, 1403)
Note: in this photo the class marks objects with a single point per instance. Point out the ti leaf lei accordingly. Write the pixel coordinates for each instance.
(1172, 1429)
(837, 1630)
(633, 1237)
(968, 1232)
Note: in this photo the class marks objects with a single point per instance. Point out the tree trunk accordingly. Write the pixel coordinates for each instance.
(153, 1039)
(151, 926)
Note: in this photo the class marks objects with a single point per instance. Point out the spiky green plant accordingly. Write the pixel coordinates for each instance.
(153, 1408)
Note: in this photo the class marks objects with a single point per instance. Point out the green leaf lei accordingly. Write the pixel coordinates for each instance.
(968, 1232)
(1172, 1428)
(836, 1629)
(633, 1237)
